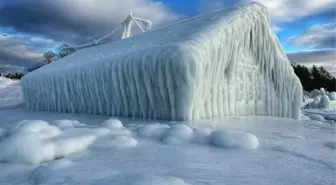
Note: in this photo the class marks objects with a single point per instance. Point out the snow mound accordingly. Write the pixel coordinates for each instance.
(155, 130)
(325, 102)
(332, 96)
(177, 134)
(65, 123)
(234, 139)
(113, 124)
(184, 134)
(135, 179)
(225, 63)
(321, 102)
(37, 141)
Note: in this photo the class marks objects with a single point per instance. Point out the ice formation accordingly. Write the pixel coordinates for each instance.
(38, 141)
(226, 63)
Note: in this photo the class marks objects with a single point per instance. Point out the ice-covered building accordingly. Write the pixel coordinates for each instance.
(225, 63)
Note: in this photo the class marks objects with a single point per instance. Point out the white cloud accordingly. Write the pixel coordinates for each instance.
(111, 11)
(289, 10)
(317, 36)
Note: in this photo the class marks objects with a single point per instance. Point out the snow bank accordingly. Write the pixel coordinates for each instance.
(226, 63)
(10, 93)
(36, 141)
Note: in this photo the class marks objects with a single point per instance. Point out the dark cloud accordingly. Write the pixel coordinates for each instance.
(75, 21)
(34, 26)
(17, 56)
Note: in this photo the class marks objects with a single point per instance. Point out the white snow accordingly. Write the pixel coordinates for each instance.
(226, 63)
(234, 140)
(113, 124)
(64, 123)
(235, 150)
(154, 130)
(10, 93)
(36, 141)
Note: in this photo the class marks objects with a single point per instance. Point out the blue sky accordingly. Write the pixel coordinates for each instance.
(304, 27)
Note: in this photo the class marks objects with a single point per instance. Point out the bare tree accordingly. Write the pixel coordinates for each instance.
(49, 56)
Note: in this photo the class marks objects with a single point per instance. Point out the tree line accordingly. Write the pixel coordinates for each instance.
(14, 76)
(315, 78)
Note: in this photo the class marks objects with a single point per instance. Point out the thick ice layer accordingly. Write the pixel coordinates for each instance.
(226, 63)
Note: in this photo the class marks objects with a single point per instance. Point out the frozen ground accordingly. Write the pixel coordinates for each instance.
(55, 148)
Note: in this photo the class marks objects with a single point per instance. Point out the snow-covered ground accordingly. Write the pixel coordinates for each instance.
(10, 94)
(53, 148)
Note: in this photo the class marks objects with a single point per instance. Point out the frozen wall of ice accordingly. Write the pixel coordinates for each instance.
(226, 63)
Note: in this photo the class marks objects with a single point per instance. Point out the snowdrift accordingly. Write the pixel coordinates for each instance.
(226, 63)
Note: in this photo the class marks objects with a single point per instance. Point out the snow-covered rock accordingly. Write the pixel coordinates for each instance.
(325, 102)
(233, 139)
(37, 141)
(155, 130)
(178, 134)
(225, 63)
(113, 124)
(332, 96)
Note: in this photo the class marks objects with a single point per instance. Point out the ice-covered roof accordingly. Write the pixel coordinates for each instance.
(179, 32)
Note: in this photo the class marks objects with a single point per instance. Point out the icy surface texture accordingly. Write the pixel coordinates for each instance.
(226, 63)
